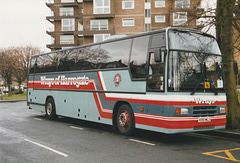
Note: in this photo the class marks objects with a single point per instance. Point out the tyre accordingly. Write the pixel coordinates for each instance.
(125, 120)
(50, 109)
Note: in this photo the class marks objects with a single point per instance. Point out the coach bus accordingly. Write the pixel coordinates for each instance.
(167, 80)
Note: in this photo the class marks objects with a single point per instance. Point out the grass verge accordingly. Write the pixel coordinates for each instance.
(15, 96)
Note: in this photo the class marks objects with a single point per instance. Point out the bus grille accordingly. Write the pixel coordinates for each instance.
(204, 110)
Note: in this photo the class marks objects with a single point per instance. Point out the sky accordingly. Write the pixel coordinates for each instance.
(23, 22)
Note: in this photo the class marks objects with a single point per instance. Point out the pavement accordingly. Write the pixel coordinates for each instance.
(5, 101)
(228, 133)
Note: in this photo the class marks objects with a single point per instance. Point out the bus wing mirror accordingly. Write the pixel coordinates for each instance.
(159, 55)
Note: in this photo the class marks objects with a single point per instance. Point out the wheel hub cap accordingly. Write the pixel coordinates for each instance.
(124, 119)
(49, 108)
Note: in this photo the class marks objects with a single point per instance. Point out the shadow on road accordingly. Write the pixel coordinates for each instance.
(169, 139)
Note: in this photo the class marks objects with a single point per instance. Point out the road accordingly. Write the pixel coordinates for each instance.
(27, 136)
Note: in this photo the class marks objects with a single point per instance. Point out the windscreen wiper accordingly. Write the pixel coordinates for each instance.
(201, 77)
(213, 88)
(197, 85)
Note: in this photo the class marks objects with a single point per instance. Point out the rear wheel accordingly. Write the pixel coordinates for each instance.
(125, 120)
(50, 109)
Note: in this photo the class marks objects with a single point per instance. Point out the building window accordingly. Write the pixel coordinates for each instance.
(160, 19)
(147, 13)
(101, 6)
(159, 4)
(66, 39)
(66, 11)
(68, 24)
(128, 4)
(80, 27)
(100, 37)
(147, 27)
(99, 24)
(182, 4)
(179, 18)
(128, 22)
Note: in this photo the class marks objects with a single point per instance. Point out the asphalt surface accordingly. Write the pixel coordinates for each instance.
(27, 136)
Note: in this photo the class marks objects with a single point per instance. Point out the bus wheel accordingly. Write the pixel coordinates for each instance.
(50, 109)
(125, 120)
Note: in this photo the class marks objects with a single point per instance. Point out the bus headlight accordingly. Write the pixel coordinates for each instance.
(182, 111)
(223, 109)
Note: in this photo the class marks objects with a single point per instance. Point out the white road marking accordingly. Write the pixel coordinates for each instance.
(143, 142)
(76, 127)
(48, 148)
(13, 113)
(39, 119)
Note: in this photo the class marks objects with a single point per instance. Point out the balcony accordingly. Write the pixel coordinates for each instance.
(110, 15)
(52, 19)
(51, 33)
(90, 31)
(76, 3)
(59, 46)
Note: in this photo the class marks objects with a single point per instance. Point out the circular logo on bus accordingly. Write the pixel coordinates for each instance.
(117, 79)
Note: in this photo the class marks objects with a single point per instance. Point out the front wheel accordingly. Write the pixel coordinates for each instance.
(50, 109)
(125, 120)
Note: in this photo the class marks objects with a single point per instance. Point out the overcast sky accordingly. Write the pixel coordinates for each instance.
(23, 22)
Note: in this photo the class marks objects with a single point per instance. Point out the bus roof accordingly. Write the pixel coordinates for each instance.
(180, 29)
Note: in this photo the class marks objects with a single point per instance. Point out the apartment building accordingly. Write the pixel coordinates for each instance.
(77, 22)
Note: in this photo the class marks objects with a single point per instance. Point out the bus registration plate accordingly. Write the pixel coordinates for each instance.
(204, 119)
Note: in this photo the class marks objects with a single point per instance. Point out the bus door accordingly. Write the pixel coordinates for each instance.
(155, 76)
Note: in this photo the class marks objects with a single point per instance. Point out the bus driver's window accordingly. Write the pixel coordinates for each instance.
(155, 77)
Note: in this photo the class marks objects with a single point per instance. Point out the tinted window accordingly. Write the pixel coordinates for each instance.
(32, 64)
(158, 40)
(87, 58)
(67, 60)
(138, 57)
(51, 62)
(47, 63)
(114, 54)
(189, 41)
(40, 64)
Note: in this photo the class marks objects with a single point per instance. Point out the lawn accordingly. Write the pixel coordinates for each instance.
(15, 96)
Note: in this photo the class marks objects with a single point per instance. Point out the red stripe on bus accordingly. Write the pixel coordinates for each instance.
(155, 102)
(148, 120)
(179, 124)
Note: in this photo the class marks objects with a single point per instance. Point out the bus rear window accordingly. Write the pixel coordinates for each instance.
(32, 65)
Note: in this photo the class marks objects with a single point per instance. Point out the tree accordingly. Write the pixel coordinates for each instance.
(22, 58)
(224, 34)
(7, 66)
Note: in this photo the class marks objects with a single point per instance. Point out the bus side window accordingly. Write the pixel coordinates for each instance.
(87, 58)
(67, 60)
(40, 65)
(138, 57)
(155, 74)
(51, 62)
(114, 54)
